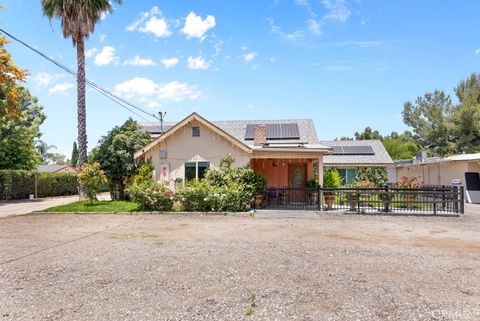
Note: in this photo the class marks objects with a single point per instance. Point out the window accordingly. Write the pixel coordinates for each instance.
(195, 131)
(195, 170)
(348, 175)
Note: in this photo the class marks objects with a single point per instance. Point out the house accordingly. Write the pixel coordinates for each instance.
(350, 155)
(57, 169)
(284, 151)
(460, 169)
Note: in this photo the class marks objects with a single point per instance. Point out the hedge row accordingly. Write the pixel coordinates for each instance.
(18, 184)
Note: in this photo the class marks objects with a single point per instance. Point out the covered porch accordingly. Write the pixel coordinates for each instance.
(288, 174)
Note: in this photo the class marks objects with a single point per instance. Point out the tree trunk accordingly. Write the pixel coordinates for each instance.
(81, 108)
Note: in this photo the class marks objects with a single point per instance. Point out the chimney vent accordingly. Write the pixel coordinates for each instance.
(259, 135)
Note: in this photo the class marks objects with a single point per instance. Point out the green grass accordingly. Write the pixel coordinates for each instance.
(95, 206)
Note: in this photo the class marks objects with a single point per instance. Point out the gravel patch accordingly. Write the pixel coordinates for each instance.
(310, 267)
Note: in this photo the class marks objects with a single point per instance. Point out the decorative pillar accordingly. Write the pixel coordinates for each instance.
(320, 181)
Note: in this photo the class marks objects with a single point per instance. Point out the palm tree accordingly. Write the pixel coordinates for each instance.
(78, 20)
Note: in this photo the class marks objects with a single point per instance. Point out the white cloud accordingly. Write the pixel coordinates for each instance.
(106, 56)
(196, 27)
(151, 22)
(314, 26)
(138, 61)
(273, 60)
(197, 63)
(102, 37)
(147, 90)
(285, 36)
(43, 79)
(477, 52)
(337, 10)
(170, 62)
(90, 52)
(250, 56)
(60, 88)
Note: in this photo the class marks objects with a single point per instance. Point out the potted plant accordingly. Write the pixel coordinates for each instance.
(259, 183)
(352, 196)
(364, 184)
(386, 198)
(331, 180)
(312, 186)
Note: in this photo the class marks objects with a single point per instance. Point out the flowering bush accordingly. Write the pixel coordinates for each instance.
(365, 184)
(91, 179)
(155, 197)
(204, 196)
(408, 182)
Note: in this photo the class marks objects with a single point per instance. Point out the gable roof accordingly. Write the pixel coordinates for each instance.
(238, 129)
(193, 116)
(380, 155)
(54, 168)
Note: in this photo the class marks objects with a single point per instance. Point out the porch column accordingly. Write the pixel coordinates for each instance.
(320, 170)
(320, 179)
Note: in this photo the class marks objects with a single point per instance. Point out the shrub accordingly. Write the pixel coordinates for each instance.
(19, 184)
(205, 196)
(91, 178)
(144, 176)
(332, 178)
(408, 182)
(152, 197)
(378, 176)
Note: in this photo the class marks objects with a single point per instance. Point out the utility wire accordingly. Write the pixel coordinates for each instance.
(119, 100)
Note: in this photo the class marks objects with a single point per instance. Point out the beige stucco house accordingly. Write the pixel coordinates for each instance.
(284, 151)
(280, 150)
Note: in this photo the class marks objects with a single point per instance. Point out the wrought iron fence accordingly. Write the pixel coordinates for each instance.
(394, 200)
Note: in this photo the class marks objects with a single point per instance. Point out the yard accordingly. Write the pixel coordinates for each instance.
(277, 266)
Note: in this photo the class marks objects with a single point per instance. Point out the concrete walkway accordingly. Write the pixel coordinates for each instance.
(20, 207)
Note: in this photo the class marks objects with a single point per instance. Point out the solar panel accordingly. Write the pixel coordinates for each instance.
(276, 131)
(353, 150)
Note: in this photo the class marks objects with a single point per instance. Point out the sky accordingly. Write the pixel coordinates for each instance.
(346, 64)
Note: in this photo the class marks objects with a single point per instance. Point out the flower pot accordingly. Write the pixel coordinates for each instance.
(258, 200)
(313, 197)
(329, 199)
(352, 202)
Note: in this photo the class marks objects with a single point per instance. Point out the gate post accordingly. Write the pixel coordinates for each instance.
(320, 198)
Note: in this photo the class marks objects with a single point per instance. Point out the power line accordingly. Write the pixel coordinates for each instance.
(119, 100)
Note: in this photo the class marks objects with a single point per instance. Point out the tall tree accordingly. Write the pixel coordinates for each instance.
(74, 159)
(115, 154)
(430, 118)
(367, 134)
(18, 134)
(78, 19)
(10, 76)
(466, 117)
(43, 149)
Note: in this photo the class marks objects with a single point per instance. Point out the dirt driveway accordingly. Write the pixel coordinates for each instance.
(326, 267)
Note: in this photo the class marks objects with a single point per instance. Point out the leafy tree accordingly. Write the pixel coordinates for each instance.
(377, 175)
(91, 177)
(74, 159)
(430, 118)
(78, 20)
(368, 134)
(115, 153)
(18, 134)
(466, 118)
(10, 76)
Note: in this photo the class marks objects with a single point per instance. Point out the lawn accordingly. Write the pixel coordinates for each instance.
(95, 206)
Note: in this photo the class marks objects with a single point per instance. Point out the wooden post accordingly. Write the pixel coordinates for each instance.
(320, 181)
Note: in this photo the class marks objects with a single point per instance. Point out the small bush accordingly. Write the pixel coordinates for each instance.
(332, 179)
(91, 178)
(154, 197)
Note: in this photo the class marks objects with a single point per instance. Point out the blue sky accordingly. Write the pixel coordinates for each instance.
(347, 64)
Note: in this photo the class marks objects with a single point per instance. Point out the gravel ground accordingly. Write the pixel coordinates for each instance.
(279, 267)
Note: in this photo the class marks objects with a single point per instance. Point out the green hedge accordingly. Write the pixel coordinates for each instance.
(18, 184)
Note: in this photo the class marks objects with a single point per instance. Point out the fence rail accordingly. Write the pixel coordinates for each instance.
(394, 200)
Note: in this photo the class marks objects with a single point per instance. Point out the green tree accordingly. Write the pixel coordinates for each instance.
(115, 154)
(430, 117)
(368, 134)
(43, 150)
(74, 159)
(18, 134)
(466, 116)
(78, 19)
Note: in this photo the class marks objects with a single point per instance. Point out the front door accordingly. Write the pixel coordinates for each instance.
(297, 181)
